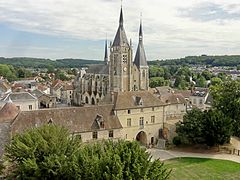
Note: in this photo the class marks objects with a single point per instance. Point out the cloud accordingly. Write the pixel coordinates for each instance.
(208, 11)
(172, 28)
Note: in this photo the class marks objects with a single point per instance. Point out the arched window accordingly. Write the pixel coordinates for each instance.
(143, 73)
(93, 101)
(86, 100)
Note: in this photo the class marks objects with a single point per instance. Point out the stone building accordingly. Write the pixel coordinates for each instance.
(44, 100)
(140, 113)
(23, 100)
(119, 73)
(88, 123)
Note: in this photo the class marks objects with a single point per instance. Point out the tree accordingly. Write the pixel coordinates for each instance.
(206, 74)
(181, 83)
(51, 152)
(217, 128)
(43, 153)
(8, 72)
(156, 81)
(59, 74)
(209, 127)
(215, 81)
(190, 129)
(201, 82)
(226, 98)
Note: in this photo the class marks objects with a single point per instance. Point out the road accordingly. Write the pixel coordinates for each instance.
(169, 154)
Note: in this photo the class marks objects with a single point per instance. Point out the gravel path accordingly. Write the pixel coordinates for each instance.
(169, 154)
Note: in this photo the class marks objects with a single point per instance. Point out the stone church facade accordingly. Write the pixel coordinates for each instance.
(119, 73)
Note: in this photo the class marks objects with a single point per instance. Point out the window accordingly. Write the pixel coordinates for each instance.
(152, 108)
(18, 107)
(129, 122)
(143, 73)
(194, 101)
(141, 121)
(30, 107)
(152, 119)
(95, 135)
(110, 134)
(200, 101)
(124, 58)
(141, 109)
(129, 111)
(101, 124)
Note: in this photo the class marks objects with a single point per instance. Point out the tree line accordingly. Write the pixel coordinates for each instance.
(226, 60)
(44, 63)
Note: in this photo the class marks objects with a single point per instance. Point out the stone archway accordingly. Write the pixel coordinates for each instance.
(142, 137)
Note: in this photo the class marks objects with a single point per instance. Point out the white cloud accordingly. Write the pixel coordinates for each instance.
(167, 34)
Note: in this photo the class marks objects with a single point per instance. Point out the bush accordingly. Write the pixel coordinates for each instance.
(51, 152)
(177, 140)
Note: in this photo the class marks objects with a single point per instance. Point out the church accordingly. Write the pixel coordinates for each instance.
(119, 73)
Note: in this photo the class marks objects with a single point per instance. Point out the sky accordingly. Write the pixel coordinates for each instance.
(78, 28)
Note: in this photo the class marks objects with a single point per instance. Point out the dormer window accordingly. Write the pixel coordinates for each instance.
(100, 121)
(138, 101)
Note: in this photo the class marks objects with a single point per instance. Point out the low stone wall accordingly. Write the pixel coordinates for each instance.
(4, 136)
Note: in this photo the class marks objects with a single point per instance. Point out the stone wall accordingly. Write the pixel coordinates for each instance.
(4, 136)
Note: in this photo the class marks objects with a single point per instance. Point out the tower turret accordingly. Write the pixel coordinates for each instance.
(106, 53)
(120, 60)
(140, 61)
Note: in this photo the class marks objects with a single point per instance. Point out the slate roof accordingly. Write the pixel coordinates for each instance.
(98, 69)
(67, 87)
(140, 57)
(162, 90)
(4, 86)
(19, 96)
(76, 119)
(8, 112)
(131, 99)
(120, 37)
(173, 98)
(185, 93)
(38, 93)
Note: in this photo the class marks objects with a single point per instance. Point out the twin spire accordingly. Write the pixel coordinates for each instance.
(120, 38)
(122, 41)
(140, 59)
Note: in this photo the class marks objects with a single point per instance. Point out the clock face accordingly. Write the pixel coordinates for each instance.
(125, 69)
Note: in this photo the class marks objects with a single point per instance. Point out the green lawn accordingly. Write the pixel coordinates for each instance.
(198, 168)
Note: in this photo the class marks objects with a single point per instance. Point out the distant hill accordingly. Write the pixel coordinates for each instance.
(43, 63)
(71, 63)
(231, 60)
(26, 62)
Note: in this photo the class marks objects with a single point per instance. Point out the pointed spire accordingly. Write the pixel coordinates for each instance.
(140, 29)
(106, 53)
(121, 18)
(140, 58)
(120, 37)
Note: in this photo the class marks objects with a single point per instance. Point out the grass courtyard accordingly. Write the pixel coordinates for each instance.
(199, 168)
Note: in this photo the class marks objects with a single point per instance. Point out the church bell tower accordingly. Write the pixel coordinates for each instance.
(120, 60)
